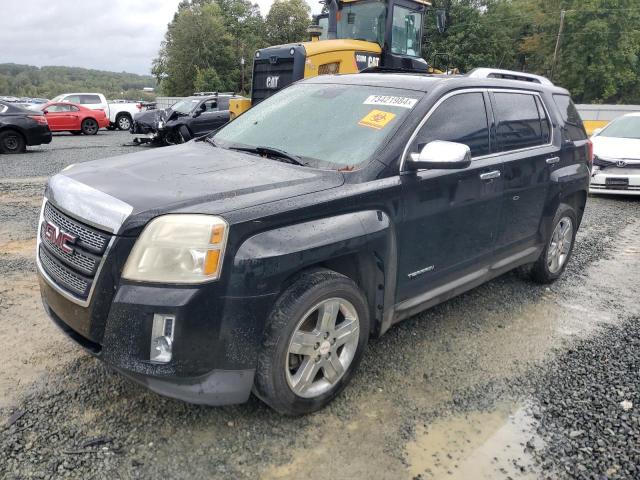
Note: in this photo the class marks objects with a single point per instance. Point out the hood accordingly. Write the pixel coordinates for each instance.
(616, 148)
(124, 192)
(150, 118)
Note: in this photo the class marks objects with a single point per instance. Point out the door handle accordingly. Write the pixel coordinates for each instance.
(552, 160)
(490, 175)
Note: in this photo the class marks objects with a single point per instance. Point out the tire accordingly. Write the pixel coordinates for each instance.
(89, 126)
(329, 360)
(559, 246)
(185, 133)
(123, 122)
(12, 141)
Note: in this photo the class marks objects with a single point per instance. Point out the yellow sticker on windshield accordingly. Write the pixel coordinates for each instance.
(376, 119)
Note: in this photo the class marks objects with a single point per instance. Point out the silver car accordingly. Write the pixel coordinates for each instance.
(616, 161)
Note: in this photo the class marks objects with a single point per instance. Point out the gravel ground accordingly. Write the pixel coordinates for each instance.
(511, 380)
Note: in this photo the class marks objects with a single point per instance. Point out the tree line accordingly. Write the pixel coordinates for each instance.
(47, 82)
(207, 40)
(597, 57)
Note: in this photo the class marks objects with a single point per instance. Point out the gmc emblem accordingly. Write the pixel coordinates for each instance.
(55, 235)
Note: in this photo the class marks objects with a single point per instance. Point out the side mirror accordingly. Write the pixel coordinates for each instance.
(45, 112)
(596, 131)
(197, 113)
(440, 155)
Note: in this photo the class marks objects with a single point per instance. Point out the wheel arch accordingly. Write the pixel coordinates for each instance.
(358, 245)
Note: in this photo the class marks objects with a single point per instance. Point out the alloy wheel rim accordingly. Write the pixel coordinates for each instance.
(91, 127)
(124, 123)
(322, 347)
(560, 245)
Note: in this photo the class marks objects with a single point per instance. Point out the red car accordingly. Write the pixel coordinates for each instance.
(74, 118)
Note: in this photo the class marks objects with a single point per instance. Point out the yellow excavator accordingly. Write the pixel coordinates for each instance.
(352, 36)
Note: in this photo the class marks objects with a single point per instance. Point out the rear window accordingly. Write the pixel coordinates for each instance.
(89, 99)
(573, 123)
(521, 120)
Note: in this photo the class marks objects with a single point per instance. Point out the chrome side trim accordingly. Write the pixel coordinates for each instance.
(87, 204)
(481, 90)
(52, 283)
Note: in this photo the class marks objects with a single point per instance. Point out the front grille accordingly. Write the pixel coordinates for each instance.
(73, 271)
(88, 238)
(64, 277)
(263, 70)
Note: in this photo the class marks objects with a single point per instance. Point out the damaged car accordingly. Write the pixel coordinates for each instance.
(188, 118)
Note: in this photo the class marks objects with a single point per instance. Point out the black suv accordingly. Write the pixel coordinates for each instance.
(187, 118)
(262, 258)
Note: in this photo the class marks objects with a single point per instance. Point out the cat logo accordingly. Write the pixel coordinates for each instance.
(272, 82)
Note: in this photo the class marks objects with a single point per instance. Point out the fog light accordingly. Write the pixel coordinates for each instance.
(162, 338)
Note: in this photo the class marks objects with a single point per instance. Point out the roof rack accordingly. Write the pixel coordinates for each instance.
(508, 75)
(207, 94)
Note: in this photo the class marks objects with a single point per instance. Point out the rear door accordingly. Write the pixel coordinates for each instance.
(94, 102)
(523, 141)
(450, 216)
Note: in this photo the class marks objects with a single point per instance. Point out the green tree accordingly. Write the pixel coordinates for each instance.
(204, 44)
(287, 21)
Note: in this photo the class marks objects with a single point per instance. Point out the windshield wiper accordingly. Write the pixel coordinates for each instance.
(272, 152)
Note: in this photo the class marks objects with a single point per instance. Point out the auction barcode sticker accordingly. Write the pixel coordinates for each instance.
(390, 101)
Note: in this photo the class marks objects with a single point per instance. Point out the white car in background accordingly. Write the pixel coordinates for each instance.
(616, 161)
(120, 114)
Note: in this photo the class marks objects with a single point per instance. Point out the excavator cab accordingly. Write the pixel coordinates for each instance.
(351, 36)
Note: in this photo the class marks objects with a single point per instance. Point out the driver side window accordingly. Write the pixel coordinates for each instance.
(461, 118)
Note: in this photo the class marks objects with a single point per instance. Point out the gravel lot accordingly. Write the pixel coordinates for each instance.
(511, 380)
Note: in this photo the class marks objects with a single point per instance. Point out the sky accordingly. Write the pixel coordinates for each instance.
(114, 35)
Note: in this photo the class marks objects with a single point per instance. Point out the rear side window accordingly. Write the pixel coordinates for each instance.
(571, 117)
(223, 103)
(461, 118)
(521, 121)
(89, 99)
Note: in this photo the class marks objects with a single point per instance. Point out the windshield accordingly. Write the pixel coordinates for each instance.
(362, 21)
(327, 126)
(623, 127)
(405, 33)
(184, 106)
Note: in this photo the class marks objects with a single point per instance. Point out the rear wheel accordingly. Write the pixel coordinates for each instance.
(314, 340)
(89, 126)
(12, 141)
(555, 257)
(123, 122)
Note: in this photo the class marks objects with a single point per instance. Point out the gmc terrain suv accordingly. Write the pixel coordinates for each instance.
(262, 258)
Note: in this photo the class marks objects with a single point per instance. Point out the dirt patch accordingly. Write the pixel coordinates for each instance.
(32, 347)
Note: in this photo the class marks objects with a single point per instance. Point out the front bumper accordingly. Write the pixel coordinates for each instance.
(214, 354)
(616, 181)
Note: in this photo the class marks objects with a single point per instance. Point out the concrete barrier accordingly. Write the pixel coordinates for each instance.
(598, 116)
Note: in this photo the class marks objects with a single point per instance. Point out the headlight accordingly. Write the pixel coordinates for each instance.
(178, 249)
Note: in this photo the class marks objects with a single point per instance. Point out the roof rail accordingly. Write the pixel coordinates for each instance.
(206, 94)
(508, 75)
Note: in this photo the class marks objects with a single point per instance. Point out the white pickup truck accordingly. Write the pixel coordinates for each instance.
(120, 114)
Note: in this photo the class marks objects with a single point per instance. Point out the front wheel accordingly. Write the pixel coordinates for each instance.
(557, 252)
(89, 126)
(314, 340)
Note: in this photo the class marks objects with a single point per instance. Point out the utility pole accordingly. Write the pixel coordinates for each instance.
(557, 49)
(242, 70)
